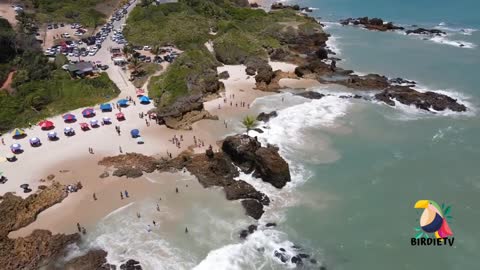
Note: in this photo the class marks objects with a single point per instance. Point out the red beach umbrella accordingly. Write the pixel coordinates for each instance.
(84, 126)
(120, 115)
(45, 124)
(140, 92)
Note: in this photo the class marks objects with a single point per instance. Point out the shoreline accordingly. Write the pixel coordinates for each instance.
(75, 207)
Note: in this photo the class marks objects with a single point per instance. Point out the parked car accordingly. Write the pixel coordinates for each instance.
(104, 67)
(146, 48)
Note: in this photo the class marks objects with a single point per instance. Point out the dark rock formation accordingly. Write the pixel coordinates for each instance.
(424, 31)
(265, 117)
(281, 256)
(270, 224)
(367, 82)
(131, 265)
(253, 208)
(251, 71)
(184, 112)
(243, 190)
(371, 24)
(131, 165)
(271, 167)
(402, 81)
(224, 75)
(425, 101)
(276, 6)
(310, 95)
(93, 259)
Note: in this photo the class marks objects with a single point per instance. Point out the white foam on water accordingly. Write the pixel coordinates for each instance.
(455, 43)
(333, 44)
(118, 210)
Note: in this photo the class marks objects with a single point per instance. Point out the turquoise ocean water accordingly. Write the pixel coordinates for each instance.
(357, 211)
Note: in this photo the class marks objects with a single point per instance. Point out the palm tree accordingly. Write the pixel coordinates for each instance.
(249, 122)
(156, 50)
(127, 50)
(135, 64)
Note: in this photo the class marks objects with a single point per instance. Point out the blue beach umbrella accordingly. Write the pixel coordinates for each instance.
(106, 107)
(135, 133)
(144, 100)
(69, 117)
(88, 112)
(122, 102)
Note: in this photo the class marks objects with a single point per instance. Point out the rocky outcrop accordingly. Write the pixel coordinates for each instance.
(131, 165)
(371, 24)
(39, 248)
(424, 31)
(266, 163)
(253, 208)
(131, 265)
(17, 212)
(271, 167)
(422, 100)
(276, 6)
(34, 251)
(184, 112)
(310, 95)
(93, 259)
(219, 169)
(367, 82)
(265, 117)
(224, 75)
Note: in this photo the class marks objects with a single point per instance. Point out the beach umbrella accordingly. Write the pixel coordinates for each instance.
(144, 100)
(45, 124)
(52, 135)
(120, 116)
(15, 147)
(122, 102)
(140, 92)
(69, 117)
(24, 185)
(84, 126)
(106, 119)
(68, 129)
(18, 132)
(140, 140)
(135, 133)
(94, 122)
(106, 107)
(34, 140)
(89, 112)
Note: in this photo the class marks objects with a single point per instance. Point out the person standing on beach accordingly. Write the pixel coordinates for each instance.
(176, 189)
(126, 193)
(158, 208)
(186, 230)
(79, 227)
(120, 148)
(138, 215)
(94, 197)
(121, 195)
(154, 223)
(3, 141)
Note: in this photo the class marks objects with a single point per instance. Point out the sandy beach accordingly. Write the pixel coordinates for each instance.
(68, 158)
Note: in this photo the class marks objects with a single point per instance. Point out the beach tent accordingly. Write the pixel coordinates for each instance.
(69, 131)
(16, 148)
(144, 100)
(123, 102)
(45, 124)
(140, 140)
(107, 120)
(135, 133)
(84, 126)
(94, 122)
(106, 107)
(120, 116)
(89, 112)
(69, 117)
(17, 133)
(140, 92)
(10, 157)
(52, 135)
(35, 141)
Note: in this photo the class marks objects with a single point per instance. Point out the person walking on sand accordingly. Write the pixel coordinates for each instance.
(120, 148)
(94, 196)
(126, 193)
(176, 189)
(186, 230)
(121, 195)
(3, 141)
(158, 208)
(154, 223)
(79, 227)
(138, 215)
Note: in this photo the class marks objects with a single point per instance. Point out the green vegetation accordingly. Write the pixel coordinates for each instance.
(173, 82)
(249, 123)
(237, 32)
(79, 11)
(146, 70)
(39, 88)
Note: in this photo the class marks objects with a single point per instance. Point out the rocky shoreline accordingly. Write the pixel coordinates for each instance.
(238, 153)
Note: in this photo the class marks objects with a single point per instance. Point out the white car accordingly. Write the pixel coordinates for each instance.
(146, 48)
(92, 53)
(66, 35)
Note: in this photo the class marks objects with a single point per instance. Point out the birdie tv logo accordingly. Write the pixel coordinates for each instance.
(434, 229)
